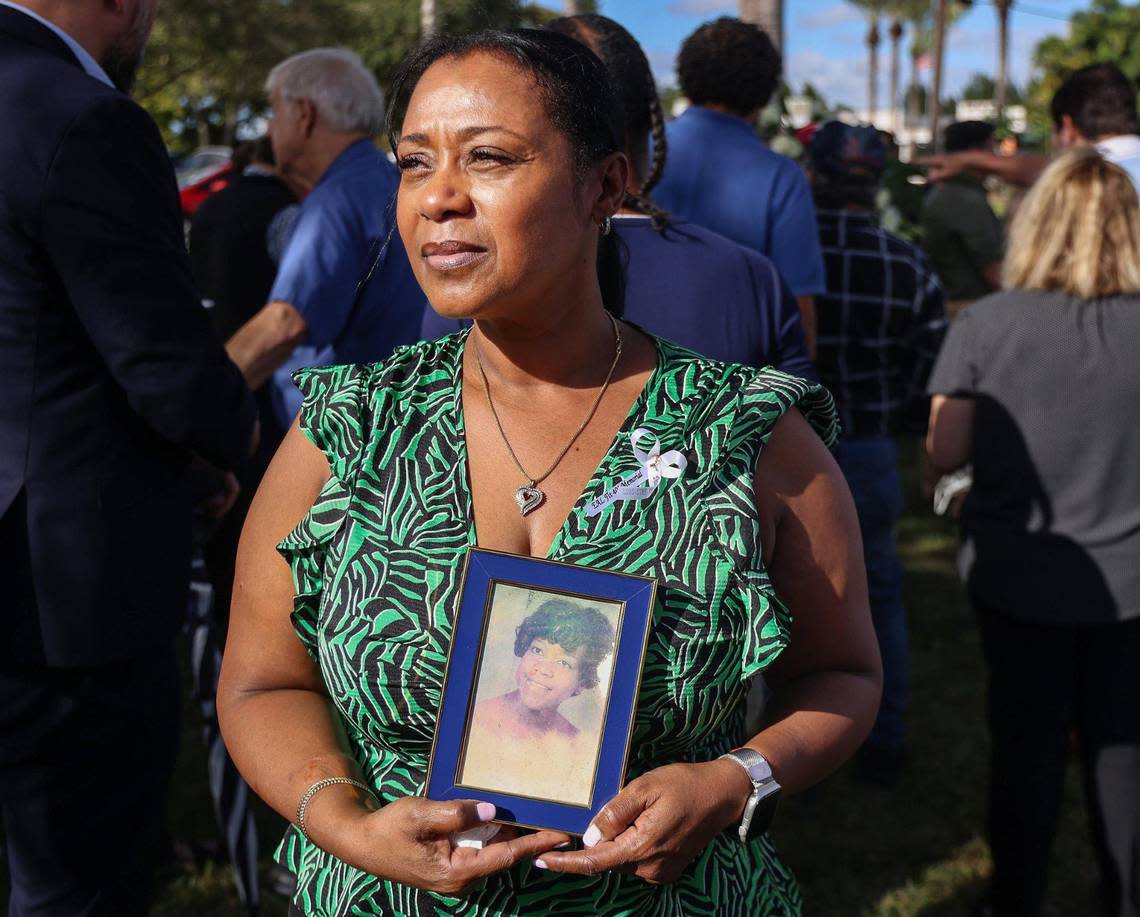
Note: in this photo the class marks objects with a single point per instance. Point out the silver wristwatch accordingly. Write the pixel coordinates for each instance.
(761, 805)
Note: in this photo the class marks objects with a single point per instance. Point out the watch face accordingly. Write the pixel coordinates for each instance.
(760, 811)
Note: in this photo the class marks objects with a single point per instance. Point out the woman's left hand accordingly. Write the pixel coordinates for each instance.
(660, 822)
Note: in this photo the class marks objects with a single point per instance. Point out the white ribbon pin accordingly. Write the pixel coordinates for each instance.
(655, 467)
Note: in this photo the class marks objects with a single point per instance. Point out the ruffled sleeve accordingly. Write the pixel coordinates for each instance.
(766, 396)
(761, 399)
(333, 418)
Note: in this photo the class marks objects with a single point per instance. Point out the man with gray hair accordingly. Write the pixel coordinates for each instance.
(326, 110)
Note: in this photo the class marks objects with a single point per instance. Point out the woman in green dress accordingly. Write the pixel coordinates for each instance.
(505, 436)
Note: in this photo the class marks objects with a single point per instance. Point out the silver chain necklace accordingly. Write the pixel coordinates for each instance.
(529, 497)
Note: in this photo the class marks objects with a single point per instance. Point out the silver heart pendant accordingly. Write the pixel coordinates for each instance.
(529, 498)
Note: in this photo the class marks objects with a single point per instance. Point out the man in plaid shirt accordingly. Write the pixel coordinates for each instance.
(881, 323)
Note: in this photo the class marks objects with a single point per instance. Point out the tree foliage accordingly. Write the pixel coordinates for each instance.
(979, 88)
(920, 15)
(208, 59)
(1108, 31)
(982, 87)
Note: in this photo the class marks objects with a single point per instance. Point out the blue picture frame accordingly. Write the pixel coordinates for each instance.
(485, 571)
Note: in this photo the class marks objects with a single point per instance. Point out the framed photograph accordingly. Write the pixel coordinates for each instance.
(540, 689)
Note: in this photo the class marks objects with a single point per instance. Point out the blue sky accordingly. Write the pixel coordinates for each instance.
(825, 40)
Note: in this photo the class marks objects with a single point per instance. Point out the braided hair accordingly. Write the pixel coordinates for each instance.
(632, 80)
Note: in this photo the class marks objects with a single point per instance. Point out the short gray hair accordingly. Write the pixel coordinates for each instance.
(343, 91)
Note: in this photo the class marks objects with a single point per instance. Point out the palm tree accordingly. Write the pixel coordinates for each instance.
(941, 26)
(922, 16)
(896, 33)
(901, 12)
(768, 14)
(921, 19)
(1002, 7)
(873, 10)
(948, 12)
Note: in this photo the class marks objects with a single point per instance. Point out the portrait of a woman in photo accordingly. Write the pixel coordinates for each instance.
(520, 742)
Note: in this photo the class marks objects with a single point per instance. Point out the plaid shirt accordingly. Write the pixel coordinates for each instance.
(881, 323)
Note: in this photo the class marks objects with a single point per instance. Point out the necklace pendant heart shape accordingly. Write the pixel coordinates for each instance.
(529, 498)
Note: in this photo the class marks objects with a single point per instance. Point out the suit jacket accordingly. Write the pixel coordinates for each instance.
(112, 375)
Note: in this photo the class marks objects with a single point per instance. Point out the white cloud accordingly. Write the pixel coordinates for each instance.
(700, 8)
(830, 17)
(834, 59)
(1021, 47)
(849, 38)
(826, 47)
(972, 48)
(663, 63)
(839, 79)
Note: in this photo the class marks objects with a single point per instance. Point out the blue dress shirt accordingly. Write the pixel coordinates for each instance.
(351, 208)
(720, 175)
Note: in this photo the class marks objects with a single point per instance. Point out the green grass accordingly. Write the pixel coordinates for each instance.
(914, 850)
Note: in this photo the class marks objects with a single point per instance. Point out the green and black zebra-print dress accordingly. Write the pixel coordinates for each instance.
(376, 565)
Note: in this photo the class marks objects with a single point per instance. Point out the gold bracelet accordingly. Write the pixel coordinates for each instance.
(316, 788)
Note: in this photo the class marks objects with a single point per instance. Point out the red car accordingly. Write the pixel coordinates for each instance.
(204, 172)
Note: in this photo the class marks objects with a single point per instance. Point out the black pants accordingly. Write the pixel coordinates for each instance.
(85, 762)
(1043, 681)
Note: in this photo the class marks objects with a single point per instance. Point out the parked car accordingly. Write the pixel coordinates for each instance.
(204, 172)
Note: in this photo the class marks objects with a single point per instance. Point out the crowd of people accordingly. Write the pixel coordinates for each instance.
(363, 360)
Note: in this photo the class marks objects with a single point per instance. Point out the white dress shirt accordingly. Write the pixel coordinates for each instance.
(1124, 150)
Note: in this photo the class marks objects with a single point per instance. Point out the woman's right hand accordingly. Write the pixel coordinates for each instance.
(409, 841)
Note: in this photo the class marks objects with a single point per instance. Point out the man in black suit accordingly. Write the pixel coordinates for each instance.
(112, 380)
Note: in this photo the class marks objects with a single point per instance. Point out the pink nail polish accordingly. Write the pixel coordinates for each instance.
(485, 811)
(540, 864)
(591, 837)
